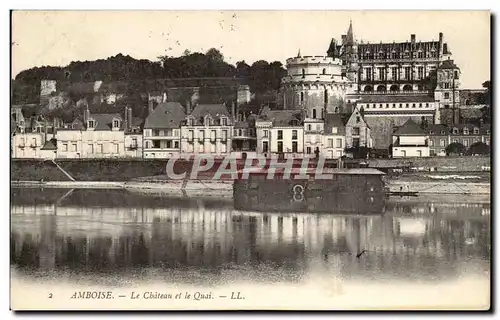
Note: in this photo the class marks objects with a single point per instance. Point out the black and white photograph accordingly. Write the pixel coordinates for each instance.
(250, 160)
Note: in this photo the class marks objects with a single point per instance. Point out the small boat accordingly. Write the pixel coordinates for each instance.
(404, 193)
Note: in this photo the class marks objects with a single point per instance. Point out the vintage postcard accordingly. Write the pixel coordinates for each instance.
(250, 160)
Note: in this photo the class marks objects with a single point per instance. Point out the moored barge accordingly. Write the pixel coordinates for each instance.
(360, 190)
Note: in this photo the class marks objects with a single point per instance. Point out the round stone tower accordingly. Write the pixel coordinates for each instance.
(315, 85)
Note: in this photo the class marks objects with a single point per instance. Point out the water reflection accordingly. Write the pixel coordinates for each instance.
(109, 232)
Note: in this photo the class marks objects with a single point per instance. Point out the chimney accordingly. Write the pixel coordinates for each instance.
(188, 107)
(150, 107)
(445, 48)
(412, 39)
(233, 111)
(129, 118)
(54, 128)
(125, 120)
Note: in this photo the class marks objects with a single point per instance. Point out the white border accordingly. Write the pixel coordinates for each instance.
(187, 4)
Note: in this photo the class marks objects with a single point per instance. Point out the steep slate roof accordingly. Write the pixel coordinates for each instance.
(214, 110)
(334, 120)
(448, 64)
(166, 115)
(395, 98)
(282, 118)
(104, 121)
(435, 129)
(410, 128)
(50, 145)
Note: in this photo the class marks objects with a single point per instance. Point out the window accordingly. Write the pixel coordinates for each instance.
(302, 97)
(324, 71)
(224, 135)
(407, 105)
(308, 150)
(466, 143)
(134, 142)
(213, 135)
(466, 130)
(224, 121)
(294, 146)
(326, 97)
(381, 74)
(427, 105)
(280, 146)
(266, 133)
(446, 85)
(431, 143)
(201, 135)
(116, 123)
(368, 74)
(65, 147)
(309, 127)
(338, 143)
(100, 148)
(330, 143)
(394, 73)
(191, 135)
(413, 105)
(420, 54)
(355, 142)
(407, 73)
(280, 134)
(358, 119)
(446, 95)
(455, 131)
(294, 134)
(176, 144)
(303, 73)
(314, 113)
(90, 148)
(91, 123)
(334, 130)
(420, 72)
(75, 148)
(116, 148)
(355, 131)
(419, 153)
(446, 106)
(265, 146)
(476, 130)
(400, 105)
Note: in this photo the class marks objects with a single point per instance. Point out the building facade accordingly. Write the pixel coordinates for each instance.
(357, 131)
(162, 130)
(333, 137)
(441, 136)
(280, 132)
(410, 140)
(207, 129)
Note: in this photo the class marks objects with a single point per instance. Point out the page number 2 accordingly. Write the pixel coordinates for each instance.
(50, 295)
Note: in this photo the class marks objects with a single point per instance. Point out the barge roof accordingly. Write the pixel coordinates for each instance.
(312, 171)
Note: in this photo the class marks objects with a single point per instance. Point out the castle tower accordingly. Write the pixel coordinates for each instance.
(314, 85)
(447, 92)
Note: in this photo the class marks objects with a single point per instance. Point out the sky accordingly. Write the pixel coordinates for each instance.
(56, 38)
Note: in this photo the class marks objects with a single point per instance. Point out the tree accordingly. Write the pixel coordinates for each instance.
(478, 148)
(215, 55)
(455, 148)
(487, 93)
(358, 152)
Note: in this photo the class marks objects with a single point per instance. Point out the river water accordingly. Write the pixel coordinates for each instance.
(164, 252)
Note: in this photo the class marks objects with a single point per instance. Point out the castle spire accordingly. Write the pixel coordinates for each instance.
(332, 48)
(350, 35)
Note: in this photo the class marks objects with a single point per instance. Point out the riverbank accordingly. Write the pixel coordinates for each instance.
(225, 187)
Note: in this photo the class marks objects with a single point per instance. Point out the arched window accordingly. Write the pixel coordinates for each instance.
(326, 96)
(324, 71)
(302, 97)
(303, 73)
(314, 113)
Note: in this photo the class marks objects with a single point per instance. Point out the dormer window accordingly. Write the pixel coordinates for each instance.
(223, 121)
(334, 130)
(208, 121)
(191, 121)
(294, 122)
(455, 131)
(476, 130)
(91, 123)
(442, 132)
(466, 130)
(116, 123)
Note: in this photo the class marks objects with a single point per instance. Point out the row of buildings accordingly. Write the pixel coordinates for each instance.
(357, 95)
(170, 131)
